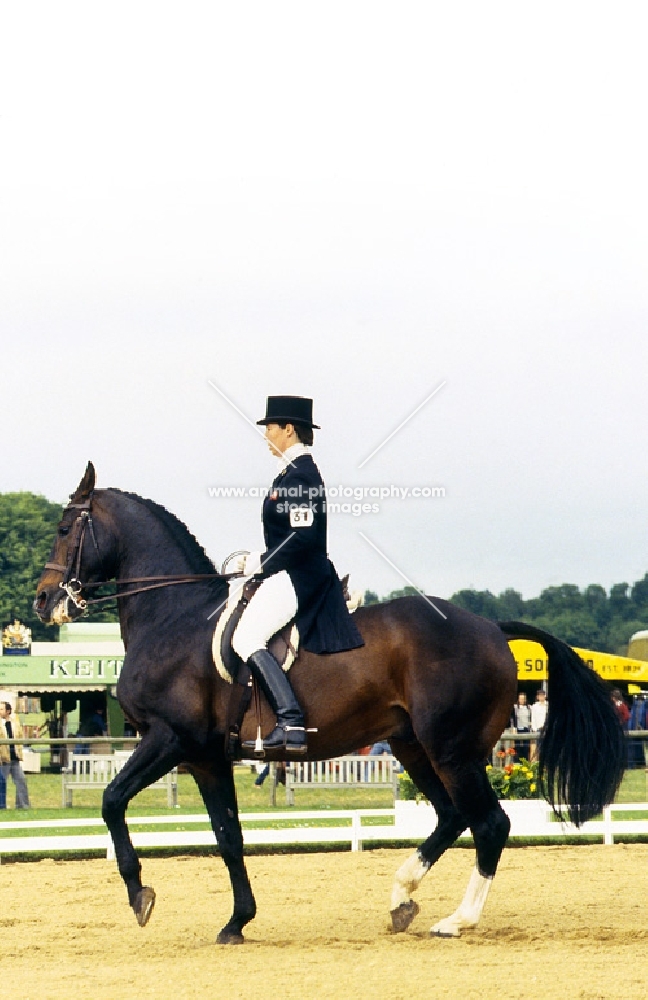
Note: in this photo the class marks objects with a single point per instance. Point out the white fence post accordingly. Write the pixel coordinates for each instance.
(356, 832)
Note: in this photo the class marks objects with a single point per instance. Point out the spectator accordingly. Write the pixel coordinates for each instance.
(93, 725)
(381, 747)
(538, 719)
(263, 774)
(13, 767)
(522, 723)
(4, 759)
(621, 708)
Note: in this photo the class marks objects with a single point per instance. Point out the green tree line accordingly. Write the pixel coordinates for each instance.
(27, 530)
(590, 618)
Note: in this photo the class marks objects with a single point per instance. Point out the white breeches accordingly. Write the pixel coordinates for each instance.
(274, 604)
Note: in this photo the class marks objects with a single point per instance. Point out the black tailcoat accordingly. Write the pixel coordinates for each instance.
(323, 620)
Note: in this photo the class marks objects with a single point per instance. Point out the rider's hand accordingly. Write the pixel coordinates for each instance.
(237, 564)
(252, 564)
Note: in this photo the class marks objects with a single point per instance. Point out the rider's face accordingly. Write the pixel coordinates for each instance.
(279, 438)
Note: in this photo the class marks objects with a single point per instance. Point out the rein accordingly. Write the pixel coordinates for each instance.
(162, 581)
(72, 585)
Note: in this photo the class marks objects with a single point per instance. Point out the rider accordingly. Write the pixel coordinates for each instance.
(298, 579)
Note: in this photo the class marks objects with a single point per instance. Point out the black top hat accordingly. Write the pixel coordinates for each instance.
(289, 410)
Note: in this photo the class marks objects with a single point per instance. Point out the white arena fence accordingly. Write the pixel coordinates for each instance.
(407, 822)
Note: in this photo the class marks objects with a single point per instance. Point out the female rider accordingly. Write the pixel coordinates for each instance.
(298, 579)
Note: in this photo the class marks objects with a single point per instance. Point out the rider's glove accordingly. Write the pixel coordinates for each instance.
(252, 563)
(237, 563)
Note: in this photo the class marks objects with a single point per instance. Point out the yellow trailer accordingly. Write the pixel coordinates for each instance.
(531, 662)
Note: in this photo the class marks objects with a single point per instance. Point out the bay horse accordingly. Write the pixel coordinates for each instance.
(439, 689)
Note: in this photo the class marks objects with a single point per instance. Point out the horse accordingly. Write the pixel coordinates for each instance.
(438, 686)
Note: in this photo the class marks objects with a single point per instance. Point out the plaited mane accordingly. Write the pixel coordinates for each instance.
(177, 529)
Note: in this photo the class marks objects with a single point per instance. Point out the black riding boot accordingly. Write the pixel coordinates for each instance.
(289, 734)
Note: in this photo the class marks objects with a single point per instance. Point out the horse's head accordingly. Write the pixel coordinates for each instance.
(75, 559)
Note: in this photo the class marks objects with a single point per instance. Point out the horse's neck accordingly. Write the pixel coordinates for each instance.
(147, 548)
(149, 556)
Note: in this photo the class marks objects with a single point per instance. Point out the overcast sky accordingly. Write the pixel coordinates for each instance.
(356, 202)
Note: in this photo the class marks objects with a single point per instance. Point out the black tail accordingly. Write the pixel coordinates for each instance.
(582, 750)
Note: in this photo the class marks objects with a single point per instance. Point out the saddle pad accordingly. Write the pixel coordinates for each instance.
(283, 645)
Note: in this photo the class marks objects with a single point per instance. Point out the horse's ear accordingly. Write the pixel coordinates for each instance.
(86, 486)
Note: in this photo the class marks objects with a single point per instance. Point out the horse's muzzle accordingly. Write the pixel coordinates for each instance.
(54, 608)
(40, 606)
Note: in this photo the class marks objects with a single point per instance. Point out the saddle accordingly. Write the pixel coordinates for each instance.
(283, 645)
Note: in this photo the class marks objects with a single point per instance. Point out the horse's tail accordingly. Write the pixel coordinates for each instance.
(582, 749)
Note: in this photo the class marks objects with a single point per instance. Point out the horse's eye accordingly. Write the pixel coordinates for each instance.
(64, 529)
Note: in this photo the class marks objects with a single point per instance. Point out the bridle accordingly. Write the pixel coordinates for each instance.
(72, 585)
(70, 582)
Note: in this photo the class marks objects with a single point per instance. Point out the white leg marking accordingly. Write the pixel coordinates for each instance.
(470, 909)
(407, 879)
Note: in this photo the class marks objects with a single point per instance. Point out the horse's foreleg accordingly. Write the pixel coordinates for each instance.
(215, 779)
(449, 825)
(158, 752)
(490, 828)
(470, 909)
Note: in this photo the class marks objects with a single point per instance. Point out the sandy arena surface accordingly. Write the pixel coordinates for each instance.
(568, 922)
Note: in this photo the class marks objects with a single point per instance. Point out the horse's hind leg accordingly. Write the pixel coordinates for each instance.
(450, 824)
(158, 752)
(216, 783)
(477, 802)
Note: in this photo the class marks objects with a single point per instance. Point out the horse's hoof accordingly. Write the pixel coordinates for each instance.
(403, 915)
(229, 937)
(144, 904)
(443, 930)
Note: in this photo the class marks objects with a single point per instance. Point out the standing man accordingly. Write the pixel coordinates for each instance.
(4, 759)
(538, 719)
(13, 767)
(522, 723)
(539, 711)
